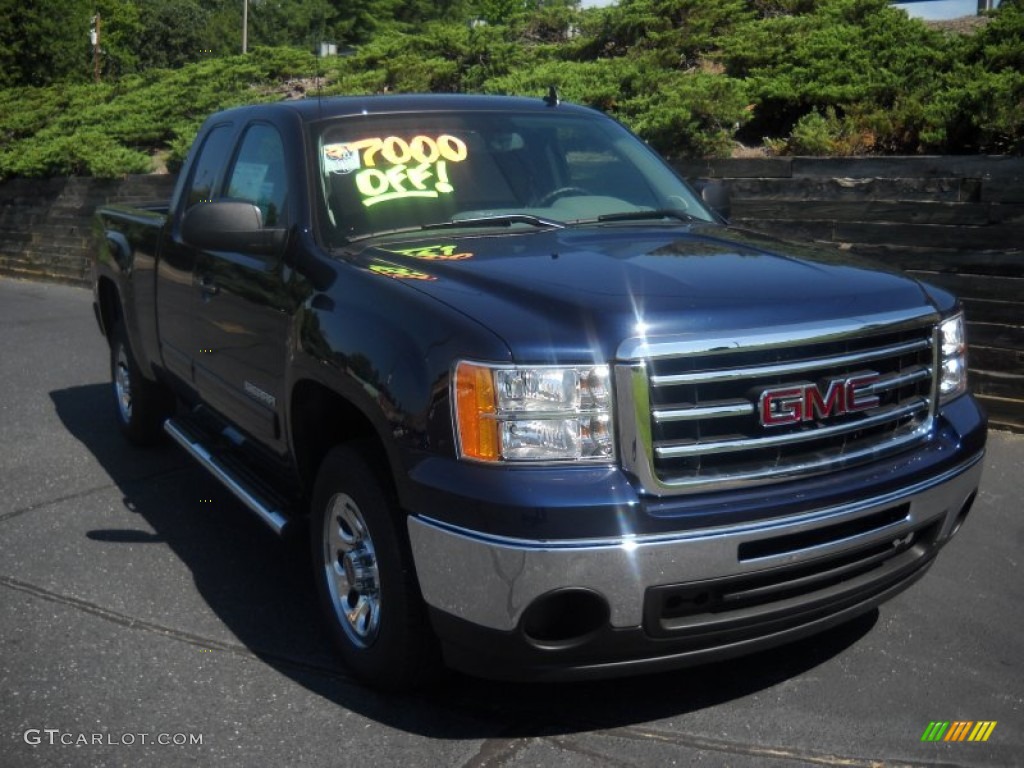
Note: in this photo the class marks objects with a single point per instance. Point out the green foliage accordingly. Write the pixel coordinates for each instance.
(113, 129)
(172, 32)
(292, 22)
(978, 110)
(44, 41)
(692, 77)
(979, 105)
(842, 53)
(439, 58)
(679, 31)
(120, 32)
(842, 76)
(498, 11)
(689, 113)
(603, 85)
(815, 134)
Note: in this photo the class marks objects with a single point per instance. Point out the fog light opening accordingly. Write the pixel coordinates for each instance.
(962, 514)
(564, 618)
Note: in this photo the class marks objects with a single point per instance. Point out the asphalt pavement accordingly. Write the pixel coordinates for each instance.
(146, 618)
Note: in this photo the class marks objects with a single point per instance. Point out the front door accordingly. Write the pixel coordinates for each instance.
(244, 309)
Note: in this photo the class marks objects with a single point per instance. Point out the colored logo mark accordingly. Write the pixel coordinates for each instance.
(958, 730)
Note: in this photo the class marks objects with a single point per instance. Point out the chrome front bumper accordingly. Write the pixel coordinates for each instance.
(490, 581)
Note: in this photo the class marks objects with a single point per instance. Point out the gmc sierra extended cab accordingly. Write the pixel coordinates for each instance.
(542, 412)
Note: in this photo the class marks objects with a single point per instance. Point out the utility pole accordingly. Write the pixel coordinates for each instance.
(94, 37)
(245, 26)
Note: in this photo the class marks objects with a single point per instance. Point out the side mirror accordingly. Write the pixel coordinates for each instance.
(230, 225)
(716, 196)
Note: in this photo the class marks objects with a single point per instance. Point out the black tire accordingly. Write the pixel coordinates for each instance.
(140, 404)
(365, 577)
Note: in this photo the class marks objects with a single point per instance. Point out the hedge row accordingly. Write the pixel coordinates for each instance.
(823, 77)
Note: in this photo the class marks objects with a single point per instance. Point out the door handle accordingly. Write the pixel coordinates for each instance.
(207, 287)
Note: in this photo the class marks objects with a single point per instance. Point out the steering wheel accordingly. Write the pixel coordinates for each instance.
(554, 194)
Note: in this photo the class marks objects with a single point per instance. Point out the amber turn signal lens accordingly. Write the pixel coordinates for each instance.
(475, 406)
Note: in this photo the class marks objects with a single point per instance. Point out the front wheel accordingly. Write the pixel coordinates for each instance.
(365, 578)
(141, 404)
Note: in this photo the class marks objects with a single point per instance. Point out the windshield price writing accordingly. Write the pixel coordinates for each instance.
(413, 168)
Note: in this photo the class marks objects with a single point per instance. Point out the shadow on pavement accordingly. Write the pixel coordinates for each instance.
(262, 590)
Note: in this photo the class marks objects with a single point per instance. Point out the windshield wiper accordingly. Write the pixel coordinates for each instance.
(501, 219)
(661, 213)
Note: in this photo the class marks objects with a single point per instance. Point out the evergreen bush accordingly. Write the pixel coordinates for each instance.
(693, 78)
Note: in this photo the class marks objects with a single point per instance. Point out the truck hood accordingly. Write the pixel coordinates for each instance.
(576, 294)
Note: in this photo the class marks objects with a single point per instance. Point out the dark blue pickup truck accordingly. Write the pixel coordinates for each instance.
(545, 413)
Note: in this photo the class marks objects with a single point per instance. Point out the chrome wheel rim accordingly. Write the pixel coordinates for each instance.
(350, 567)
(123, 385)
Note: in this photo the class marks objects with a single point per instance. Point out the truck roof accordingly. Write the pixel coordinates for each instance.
(312, 109)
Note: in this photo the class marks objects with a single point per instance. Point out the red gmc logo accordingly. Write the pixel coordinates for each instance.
(808, 402)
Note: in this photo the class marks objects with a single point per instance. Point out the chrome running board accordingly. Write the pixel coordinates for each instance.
(256, 501)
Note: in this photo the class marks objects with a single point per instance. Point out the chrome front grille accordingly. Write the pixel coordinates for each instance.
(694, 410)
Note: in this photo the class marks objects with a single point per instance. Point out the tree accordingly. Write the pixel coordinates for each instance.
(297, 23)
(120, 29)
(172, 33)
(864, 67)
(980, 104)
(44, 41)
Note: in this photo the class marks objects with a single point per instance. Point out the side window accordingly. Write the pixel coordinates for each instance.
(258, 175)
(208, 164)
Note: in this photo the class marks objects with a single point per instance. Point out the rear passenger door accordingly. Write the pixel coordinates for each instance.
(244, 309)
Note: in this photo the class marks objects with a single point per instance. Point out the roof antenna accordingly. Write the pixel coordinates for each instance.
(552, 99)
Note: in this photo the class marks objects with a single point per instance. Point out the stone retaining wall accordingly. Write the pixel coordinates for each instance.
(46, 224)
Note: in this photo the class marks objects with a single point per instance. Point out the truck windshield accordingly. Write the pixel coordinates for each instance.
(382, 173)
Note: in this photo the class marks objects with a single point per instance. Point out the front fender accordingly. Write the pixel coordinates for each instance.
(388, 349)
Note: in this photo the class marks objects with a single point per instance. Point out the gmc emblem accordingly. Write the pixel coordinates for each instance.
(808, 402)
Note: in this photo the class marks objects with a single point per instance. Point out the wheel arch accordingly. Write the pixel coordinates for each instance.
(108, 304)
(321, 419)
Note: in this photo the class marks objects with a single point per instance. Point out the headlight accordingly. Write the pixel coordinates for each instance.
(953, 361)
(538, 413)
